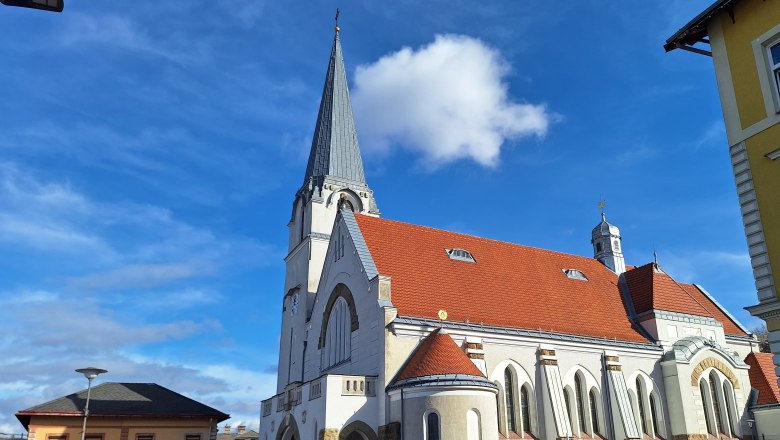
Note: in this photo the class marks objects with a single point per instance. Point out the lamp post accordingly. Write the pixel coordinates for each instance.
(90, 373)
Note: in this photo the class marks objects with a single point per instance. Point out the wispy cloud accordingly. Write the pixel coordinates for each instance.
(714, 134)
(123, 32)
(141, 276)
(447, 100)
(140, 244)
(691, 266)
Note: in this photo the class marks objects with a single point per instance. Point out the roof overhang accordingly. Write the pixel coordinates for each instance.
(696, 30)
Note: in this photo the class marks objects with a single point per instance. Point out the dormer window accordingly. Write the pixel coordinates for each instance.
(575, 274)
(460, 255)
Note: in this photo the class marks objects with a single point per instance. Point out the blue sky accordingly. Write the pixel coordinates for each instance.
(150, 151)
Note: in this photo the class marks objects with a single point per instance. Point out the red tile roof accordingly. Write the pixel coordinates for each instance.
(763, 378)
(652, 288)
(509, 285)
(438, 354)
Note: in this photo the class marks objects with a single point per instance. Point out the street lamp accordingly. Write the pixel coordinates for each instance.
(90, 373)
(46, 5)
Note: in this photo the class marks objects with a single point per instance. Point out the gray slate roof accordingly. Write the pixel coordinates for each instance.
(334, 150)
(125, 399)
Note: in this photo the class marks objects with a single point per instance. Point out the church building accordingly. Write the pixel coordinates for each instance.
(397, 331)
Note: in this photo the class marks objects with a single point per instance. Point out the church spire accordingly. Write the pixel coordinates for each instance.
(335, 152)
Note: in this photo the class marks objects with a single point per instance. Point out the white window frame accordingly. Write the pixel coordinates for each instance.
(767, 73)
(774, 69)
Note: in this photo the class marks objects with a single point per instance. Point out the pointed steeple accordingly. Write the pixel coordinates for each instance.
(335, 152)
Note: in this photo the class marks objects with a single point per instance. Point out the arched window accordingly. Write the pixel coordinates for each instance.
(432, 427)
(473, 428)
(567, 400)
(338, 339)
(509, 393)
(525, 410)
(728, 396)
(705, 405)
(654, 414)
(580, 404)
(640, 400)
(715, 402)
(594, 418)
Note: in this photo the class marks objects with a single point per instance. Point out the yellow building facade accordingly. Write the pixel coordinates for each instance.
(123, 411)
(744, 43)
(121, 428)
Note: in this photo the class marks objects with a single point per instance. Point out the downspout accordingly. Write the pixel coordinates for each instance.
(303, 360)
(403, 427)
(608, 398)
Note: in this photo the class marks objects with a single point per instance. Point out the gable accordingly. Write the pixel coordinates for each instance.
(653, 289)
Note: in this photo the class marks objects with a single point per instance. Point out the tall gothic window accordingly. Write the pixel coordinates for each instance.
(653, 414)
(525, 411)
(715, 402)
(432, 428)
(640, 398)
(509, 393)
(728, 396)
(594, 417)
(705, 406)
(568, 406)
(338, 339)
(580, 404)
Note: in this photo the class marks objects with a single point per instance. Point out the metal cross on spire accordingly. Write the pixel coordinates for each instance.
(337, 21)
(602, 203)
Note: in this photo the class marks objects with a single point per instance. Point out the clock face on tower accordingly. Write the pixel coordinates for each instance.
(295, 301)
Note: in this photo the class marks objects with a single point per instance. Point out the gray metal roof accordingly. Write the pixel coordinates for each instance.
(334, 150)
(124, 399)
(443, 380)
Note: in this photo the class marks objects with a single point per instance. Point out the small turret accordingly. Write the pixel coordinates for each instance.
(607, 246)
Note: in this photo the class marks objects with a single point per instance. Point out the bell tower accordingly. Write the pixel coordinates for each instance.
(334, 180)
(607, 246)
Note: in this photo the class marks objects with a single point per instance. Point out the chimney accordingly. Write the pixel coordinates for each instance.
(227, 428)
(241, 429)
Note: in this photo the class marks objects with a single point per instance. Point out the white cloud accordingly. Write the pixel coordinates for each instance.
(714, 135)
(127, 244)
(689, 267)
(141, 275)
(447, 100)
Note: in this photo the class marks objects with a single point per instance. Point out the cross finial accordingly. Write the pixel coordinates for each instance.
(337, 21)
(655, 257)
(602, 203)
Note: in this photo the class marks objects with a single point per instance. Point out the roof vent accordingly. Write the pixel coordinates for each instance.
(575, 274)
(460, 255)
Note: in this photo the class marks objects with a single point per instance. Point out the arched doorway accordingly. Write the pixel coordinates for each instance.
(357, 430)
(288, 429)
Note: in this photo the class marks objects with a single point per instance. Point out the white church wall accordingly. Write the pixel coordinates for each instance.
(669, 331)
(344, 408)
(685, 401)
(366, 344)
(452, 406)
